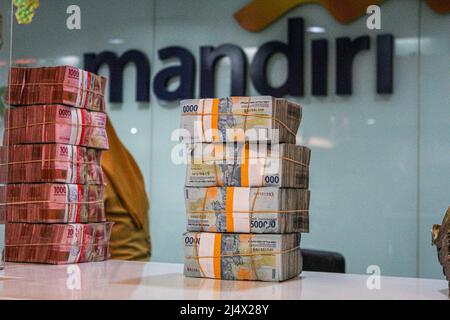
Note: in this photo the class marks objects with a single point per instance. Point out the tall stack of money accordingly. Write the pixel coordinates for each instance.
(246, 194)
(441, 239)
(51, 180)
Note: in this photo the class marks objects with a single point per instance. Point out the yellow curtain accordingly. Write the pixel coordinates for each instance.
(126, 202)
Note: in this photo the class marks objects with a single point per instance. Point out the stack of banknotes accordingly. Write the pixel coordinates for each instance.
(57, 85)
(58, 243)
(60, 163)
(240, 119)
(52, 203)
(51, 181)
(55, 124)
(441, 239)
(246, 195)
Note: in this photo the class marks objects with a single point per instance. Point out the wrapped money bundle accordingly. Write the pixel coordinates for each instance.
(240, 119)
(56, 85)
(55, 124)
(50, 163)
(57, 243)
(246, 195)
(52, 203)
(441, 239)
(248, 165)
(54, 136)
(247, 210)
(263, 257)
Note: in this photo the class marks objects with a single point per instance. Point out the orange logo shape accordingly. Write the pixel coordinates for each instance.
(259, 14)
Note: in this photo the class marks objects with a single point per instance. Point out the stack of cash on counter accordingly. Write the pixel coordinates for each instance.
(441, 239)
(52, 186)
(246, 195)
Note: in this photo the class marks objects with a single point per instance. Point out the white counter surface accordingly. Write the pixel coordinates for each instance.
(136, 280)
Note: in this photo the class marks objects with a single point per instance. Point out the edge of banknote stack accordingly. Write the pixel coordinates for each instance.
(51, 180)
(441, 239)
(246, 191)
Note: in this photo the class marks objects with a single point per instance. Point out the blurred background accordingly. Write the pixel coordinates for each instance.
(380, 167)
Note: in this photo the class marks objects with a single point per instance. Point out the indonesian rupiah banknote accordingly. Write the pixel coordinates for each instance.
(56, 85)
(248, 165)
(240, 119)
(52, 203)
(55, 124)
(62, 163)
(247, 210)
(57, 243)
(262, 257)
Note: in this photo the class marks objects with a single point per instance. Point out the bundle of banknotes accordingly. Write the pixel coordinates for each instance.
(248, 165)
(52, 184)
(52, 203)
(441, 239)
(246, 195)
(239, 119)
(57, 243)
(57, 85)
(263, 257)
(55, 124)
(50, 163)
(247, 210)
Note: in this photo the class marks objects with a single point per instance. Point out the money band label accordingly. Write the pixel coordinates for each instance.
(81, 255)
(209, 246)
(75, 172)
(78, 204)
(245, 165)
(207, 123)
(70, 165)
(74, 251)
(217, 252)
(215, 120)
(229, 209)
(88, 88)
(83, 127)
(241, 205)
(78, 100)
(72, 196)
